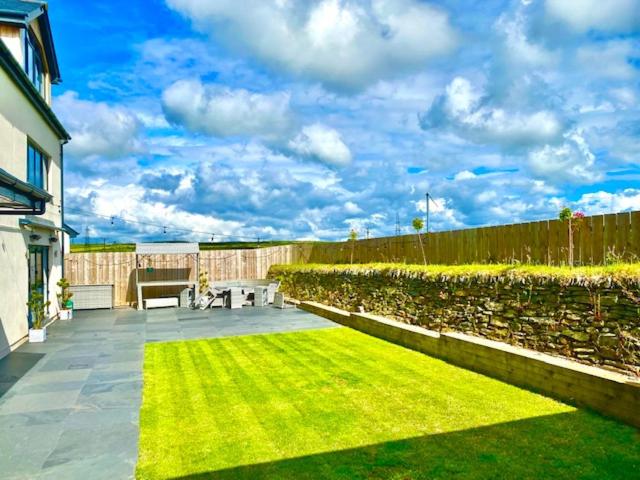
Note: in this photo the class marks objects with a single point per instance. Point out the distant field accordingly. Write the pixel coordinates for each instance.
(131, 247)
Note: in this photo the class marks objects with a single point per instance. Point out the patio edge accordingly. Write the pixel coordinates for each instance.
(609, 393)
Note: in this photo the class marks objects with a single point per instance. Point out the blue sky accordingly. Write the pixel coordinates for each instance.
(293, 119)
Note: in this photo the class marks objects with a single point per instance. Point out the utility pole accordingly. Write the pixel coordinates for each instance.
(367, 232)
(397, 224)
(427, 205)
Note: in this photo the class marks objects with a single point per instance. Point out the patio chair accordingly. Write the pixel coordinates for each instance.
(206, 298)
(279, 301)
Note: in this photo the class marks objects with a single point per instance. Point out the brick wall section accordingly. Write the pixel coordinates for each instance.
(610, 393)
(596, 322)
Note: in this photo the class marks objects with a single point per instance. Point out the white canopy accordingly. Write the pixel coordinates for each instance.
(167, 248)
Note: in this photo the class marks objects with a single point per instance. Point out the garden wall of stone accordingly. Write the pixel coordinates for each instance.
(587, 315)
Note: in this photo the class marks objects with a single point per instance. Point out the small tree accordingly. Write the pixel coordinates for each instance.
(38, 308)
(64, 297)
(418, 225)
(574, 221)
(353, 236)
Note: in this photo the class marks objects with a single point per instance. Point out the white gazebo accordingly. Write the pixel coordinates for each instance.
(150, 249)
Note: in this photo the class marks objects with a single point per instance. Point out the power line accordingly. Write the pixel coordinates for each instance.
(162, 227)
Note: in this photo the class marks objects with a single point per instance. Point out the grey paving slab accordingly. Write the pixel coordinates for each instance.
(69, 408)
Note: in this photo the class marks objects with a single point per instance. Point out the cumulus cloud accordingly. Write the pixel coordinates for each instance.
(130, 202)
(221, 111)
(343, 44)
(572, 161)
(584, 15)
(517, 46)
(98, 128)
(467, 112)
(321, 143)
(607, 202)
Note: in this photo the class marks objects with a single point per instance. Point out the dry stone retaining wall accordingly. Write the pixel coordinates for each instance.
(595, 321)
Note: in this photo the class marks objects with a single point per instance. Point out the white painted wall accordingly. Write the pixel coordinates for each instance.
(19, 121)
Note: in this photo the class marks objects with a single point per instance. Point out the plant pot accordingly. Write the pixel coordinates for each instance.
(37, 336)
(66, 314)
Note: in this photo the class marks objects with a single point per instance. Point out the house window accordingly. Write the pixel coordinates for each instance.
(33, 62)
(36, 167)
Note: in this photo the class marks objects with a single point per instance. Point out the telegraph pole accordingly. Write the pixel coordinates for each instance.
(427, 196)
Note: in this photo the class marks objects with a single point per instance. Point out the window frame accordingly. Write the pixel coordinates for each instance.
(33, 63)
(37, 177)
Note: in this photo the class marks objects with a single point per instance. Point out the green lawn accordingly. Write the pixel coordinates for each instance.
(337, 404)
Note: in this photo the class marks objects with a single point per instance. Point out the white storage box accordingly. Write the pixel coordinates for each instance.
(88, 297)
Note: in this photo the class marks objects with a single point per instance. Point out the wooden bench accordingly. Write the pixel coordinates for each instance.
(161, 302)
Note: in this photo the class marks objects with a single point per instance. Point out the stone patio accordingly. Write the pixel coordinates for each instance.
(69, 407)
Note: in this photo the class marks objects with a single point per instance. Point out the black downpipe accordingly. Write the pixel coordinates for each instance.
(62, 201)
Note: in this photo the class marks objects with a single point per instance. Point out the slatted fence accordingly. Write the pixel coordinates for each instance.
(118, 268)
(598, 239)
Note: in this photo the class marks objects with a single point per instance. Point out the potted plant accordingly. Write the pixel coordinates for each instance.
(64, 300)
(38, 308)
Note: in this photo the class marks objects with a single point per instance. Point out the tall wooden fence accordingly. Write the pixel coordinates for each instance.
(597, 240)
(118, 269)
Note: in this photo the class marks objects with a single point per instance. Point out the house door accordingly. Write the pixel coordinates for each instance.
(38, 271)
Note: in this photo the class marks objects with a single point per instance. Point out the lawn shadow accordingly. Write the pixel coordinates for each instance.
(15, 366)
(570, 445)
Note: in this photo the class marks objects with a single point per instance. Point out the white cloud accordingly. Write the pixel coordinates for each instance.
(344, 44)
(572, 161)
(606, 202)
(98, 128)
(583, 15)
(221, 111)
(464, 175)
(464, 110)
(625, 97)
(321, 143)
(352, 208)
(517, 46)
(609, 60)
(130, 202)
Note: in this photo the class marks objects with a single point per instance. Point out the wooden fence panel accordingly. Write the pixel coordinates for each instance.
(634, 248)
(544, 242)
(598, 247)
(118, 269)
(623, 230)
